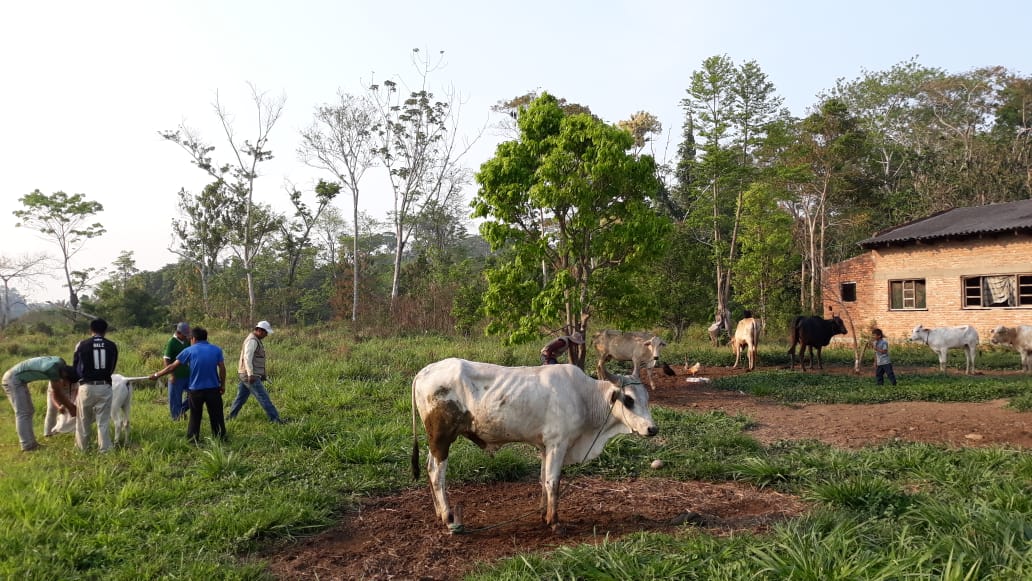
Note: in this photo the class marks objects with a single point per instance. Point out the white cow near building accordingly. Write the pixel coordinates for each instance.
(641, 349)
(568, 415)
(1019, 337)
(942, 339)
(747, 335)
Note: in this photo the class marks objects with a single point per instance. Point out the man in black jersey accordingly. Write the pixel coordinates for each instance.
(95, 360)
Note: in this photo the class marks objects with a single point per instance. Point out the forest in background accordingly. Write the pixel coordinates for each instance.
(573, 221)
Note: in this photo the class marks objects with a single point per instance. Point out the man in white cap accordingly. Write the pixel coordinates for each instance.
(251, 371)
(551, 352)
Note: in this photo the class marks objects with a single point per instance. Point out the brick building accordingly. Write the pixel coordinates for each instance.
(965, 266)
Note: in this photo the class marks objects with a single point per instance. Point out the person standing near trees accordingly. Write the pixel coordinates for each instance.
(251, 371)
(180, 380)
(206, 386)
(550, 353)
(16, 386)
(95, 361)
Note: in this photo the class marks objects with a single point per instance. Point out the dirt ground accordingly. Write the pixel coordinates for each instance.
(399, 537)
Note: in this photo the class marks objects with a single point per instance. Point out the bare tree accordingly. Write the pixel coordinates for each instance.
(340, 141)
(418, 144)
(25, 268)
(239, 174)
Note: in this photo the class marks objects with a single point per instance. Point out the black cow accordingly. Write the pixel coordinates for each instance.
(815, 333)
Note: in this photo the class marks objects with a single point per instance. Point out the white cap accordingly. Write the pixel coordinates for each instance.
(265, 326)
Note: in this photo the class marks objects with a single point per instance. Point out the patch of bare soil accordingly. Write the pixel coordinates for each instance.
(399, 537)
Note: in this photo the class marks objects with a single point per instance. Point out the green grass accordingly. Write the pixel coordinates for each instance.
(162, 508)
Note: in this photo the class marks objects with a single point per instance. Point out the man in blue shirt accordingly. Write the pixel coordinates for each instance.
(206, 386)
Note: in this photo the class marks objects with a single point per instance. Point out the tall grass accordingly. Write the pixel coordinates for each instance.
(162, 508)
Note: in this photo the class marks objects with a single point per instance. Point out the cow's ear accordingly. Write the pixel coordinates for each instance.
(614, 395)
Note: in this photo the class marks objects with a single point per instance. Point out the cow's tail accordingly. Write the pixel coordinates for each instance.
(415, 436)
(794, 338)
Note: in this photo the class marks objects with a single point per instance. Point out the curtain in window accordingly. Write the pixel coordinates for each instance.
(999, 290)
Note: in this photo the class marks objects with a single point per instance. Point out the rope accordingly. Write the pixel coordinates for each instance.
(458, 529)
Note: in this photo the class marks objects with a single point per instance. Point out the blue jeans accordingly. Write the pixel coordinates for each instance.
(883, 370)
(177, 403)
(244, 390)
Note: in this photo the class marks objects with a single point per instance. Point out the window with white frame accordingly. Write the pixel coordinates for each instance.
(997, 290)
(907, 294)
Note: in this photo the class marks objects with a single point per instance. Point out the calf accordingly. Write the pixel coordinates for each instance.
(1019, 337)
(812, 333)
(942, 339)
(121, 404)
(747, 335)
(641, 349)
(568, 415)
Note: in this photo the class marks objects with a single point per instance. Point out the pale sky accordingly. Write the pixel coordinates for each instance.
(86, 86)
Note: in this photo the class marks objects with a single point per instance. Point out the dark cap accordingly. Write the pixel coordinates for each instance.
(183, 328)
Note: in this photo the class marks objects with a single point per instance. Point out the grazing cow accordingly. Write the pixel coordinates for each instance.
(942, 339)
(568, 415)
(714, 333)
(121, 403)
(1019, 337)
(641, 349)
(747, 335)
(812, 333)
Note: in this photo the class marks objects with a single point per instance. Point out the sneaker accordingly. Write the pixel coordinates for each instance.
(32, 447)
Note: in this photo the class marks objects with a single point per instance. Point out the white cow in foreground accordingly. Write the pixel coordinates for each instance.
(121, 403)
(641, 349)
(747, 335)
(568, 415)
(942, 339)
(1019, 337)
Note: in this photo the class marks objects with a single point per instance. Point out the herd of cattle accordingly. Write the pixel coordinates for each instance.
(569, 416)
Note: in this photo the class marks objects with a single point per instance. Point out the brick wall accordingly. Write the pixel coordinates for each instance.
(942, 266)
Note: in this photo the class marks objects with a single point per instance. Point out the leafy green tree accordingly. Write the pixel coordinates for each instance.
(125, 269)
(768, 258)
(566, 194)
(204, 231)
(63, 218)
(829, 153)
(297, 233)
(730, 108)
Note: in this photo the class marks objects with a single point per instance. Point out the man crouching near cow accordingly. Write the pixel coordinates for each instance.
(551, 352)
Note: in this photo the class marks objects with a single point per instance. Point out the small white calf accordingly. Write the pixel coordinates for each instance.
(942, 339)
(121, 404)
(1019, 337)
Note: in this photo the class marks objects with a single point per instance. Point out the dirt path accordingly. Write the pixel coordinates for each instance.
(398, 537)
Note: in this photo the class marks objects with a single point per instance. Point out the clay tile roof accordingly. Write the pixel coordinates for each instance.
(958, 223)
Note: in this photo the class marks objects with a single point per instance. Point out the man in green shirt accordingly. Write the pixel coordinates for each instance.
(177, 384)
(16, 386)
